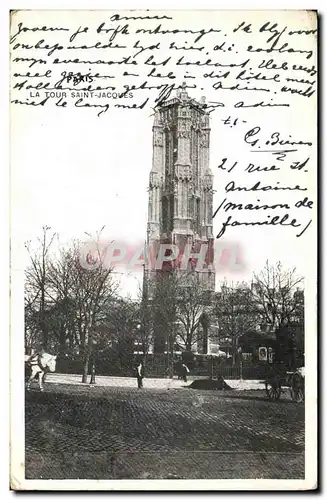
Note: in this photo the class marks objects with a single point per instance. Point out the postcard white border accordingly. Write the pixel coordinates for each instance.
(18, 482)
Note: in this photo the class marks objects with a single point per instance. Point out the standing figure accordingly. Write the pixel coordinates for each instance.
(179, 369)
(185, 371)
(140, 375)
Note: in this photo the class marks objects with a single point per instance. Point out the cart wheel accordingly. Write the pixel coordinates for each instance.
(297, 388)
(273, 390)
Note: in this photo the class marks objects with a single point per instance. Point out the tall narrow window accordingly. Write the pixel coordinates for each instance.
(165, 215)
(196, 157)
(197, 215)
(167, 154)
(171, 213)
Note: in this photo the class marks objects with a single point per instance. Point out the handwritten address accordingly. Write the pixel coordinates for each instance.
(126, 60)
(134, 61)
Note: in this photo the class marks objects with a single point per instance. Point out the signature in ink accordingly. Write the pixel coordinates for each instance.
(274, 139)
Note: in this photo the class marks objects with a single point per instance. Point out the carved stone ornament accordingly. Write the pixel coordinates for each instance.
(158, 140)
(183, 172)
(155, 180)
(208, 182)
(151, 227)
(204, 141)
(183, 134)
(165, 124)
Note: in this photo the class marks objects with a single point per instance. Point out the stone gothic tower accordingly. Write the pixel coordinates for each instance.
(181, 183)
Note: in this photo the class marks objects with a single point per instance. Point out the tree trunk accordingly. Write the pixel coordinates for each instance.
(234, 350)
(45, 335)
(171, 355)
(87, 360)
(188, 343)
(86, 368)
(205, 327)
(44, 328)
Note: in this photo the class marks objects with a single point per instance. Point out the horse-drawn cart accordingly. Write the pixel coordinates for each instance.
(282, 381)
(285, 370)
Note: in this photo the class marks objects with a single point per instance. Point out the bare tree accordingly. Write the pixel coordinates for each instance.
(163, 293)
(191, 306)
(62, 316)
(145, 329)
(92, 288)
(37, 290)
(179, 302)
(277, 296)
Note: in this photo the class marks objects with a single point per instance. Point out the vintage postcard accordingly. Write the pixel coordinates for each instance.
(163, 249)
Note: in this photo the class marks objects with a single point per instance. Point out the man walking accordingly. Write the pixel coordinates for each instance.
(140, 375)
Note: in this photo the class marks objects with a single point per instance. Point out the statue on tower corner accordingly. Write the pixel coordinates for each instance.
(183, 94)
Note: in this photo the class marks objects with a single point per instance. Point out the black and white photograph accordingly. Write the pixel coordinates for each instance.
(163, 271)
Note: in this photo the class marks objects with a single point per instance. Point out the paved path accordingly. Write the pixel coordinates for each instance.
(104, 432)
(149, 383)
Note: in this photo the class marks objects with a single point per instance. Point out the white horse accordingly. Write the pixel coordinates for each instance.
(40, 364)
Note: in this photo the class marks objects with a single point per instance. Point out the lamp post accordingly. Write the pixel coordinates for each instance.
(138, 328)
